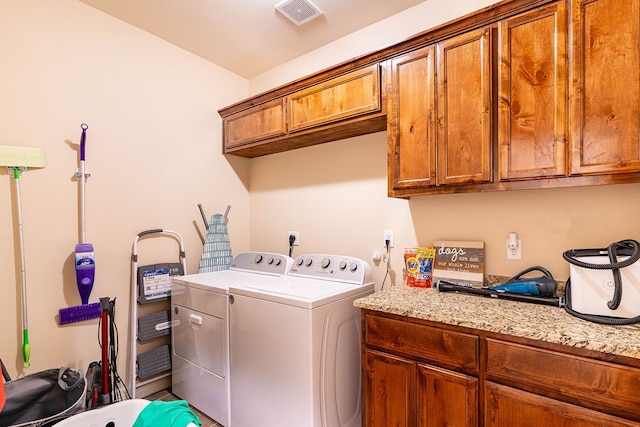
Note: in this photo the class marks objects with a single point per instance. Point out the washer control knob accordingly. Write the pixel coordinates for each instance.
(300, 262)
(325, 262)
(353, 266)
(343, 265)
(309, 262)
(278, 261)
(258, 259)
(270, 260)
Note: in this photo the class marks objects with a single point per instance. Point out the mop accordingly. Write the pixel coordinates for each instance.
(85, 263)
(17, 160)
(84, 257)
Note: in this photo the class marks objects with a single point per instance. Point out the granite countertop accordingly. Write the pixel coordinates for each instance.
(533, 321)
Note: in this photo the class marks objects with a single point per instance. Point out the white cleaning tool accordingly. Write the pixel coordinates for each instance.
(17, 160)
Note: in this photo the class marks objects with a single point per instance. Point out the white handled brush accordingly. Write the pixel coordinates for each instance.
(17, 160)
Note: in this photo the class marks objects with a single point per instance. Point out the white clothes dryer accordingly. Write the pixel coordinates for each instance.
(295, 345)
(200, 332)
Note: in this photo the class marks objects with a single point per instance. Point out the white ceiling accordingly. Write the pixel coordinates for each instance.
(248, 37)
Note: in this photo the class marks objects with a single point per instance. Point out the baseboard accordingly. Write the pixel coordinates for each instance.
(151, 387)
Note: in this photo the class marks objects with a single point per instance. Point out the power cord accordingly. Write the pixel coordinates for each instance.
(292, 240)
(386, 274)
(117, 387)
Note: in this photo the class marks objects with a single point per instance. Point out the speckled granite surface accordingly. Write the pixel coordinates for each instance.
(538, 322)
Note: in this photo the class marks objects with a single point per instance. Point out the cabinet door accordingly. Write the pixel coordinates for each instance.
(509, 407)
(351, 95)
(605, 94)
(464, 108)
(446, 398)
(255, 124)
(411, 121)
(389, 391)
(532, 93)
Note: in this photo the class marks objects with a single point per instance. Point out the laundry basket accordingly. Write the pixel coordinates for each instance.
(120, 414)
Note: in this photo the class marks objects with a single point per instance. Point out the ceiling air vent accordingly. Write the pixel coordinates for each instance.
(298, 11)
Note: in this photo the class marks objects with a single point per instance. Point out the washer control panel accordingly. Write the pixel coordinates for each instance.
(262, 262)
(340, 268)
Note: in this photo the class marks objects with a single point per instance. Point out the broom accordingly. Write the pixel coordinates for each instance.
(17, 160)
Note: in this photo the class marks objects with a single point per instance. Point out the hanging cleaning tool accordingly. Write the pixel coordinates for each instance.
(84, 256)
(85, 261)
(17, 160)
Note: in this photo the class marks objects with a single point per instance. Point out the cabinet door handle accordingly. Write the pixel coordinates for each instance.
(195, 319)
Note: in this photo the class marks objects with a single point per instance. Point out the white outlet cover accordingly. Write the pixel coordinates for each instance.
(514, 253)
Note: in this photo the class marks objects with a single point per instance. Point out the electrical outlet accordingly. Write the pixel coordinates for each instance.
(388, 235)
(514, 252)
(296, 235)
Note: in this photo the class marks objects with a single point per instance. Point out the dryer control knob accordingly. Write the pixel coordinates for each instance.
(309, 262)
(278, 261)
(343, 265)
(325, 262)
(270, 260)
(353, 266)
(258, 259)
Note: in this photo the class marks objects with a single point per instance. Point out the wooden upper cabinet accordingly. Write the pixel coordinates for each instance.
(532, 94)
(520, 94)
(255, 124)
(464, 74)
(317, 109)
(411, 121)
(605, 91)
(350, 95)
(439, 115)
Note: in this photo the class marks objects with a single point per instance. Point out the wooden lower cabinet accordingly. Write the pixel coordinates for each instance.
(510, 407)
(419, 373)
(402, 392)
(446, 398)
(390, 390)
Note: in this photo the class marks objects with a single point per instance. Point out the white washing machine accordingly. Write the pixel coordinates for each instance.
(200, 333)
(295, 345)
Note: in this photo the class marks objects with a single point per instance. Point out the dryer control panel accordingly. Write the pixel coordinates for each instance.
(340, 268)
(262, 262)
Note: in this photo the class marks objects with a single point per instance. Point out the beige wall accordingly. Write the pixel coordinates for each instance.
(334, 194)
(153, 147)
